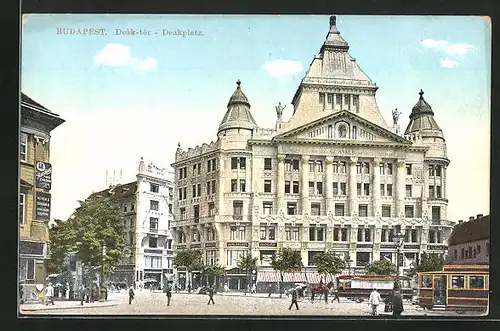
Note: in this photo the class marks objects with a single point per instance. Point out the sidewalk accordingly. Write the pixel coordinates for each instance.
(114, 299)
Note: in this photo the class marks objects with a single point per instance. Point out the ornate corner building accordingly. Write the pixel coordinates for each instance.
(335, 177)
(147, 206)
(34, 197)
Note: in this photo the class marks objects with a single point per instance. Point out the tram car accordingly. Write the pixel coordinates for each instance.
(457, 287)
(360, 286)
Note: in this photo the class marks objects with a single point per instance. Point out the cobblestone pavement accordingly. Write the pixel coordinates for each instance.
(148, 303)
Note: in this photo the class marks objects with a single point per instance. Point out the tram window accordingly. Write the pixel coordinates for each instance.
(457, 281)
(427, 281)
(476, 281)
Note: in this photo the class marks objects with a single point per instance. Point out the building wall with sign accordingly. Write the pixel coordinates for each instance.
(334, 177)
(36, 124)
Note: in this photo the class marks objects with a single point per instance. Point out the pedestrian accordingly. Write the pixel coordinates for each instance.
(397, 304)
(336, 295)
(293, 292)
(131, 295)
(169, 294)
(189, 288)
(81, 293)
(210, 295)
(105, 293)
(49, 293)
(374, 301)
(254, 289)
(270, 290)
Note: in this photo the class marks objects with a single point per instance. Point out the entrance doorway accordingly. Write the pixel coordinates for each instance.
(440, 285)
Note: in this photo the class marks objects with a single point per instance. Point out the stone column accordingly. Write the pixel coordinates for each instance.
(304, 174)
(329, 184)
(280, 186)
(353, 238)
(400, 186)
(221, 240)
(220, 184)
(352, 194)
(425, 189)
(443, 182)
(376, 206)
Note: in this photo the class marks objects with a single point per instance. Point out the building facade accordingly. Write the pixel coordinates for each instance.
(470, 242)
(147, 208)
(334, 177)
(34, 198)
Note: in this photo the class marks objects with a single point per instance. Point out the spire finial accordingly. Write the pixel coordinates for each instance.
(333, 21)
(238, 82)
(421, 93)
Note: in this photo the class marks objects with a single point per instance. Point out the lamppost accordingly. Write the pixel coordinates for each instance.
(253, 276)
(348, 261)
(102, 293)
(398, 240)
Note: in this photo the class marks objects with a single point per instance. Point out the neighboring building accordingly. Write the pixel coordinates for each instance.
(34, 199)
(335, 177)
(470, 242)
(147, 206)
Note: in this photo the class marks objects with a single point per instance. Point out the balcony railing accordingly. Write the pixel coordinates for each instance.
(153, 230)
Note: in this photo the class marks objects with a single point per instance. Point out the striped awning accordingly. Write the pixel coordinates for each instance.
(272, 276)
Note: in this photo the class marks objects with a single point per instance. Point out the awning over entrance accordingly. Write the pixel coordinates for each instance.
(297, 277)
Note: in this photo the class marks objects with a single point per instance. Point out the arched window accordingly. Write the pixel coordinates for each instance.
(342, 131)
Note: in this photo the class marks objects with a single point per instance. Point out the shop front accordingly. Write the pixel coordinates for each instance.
(152, 279)
(236, 280)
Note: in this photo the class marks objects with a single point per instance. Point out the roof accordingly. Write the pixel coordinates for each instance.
(238, 115)
(471, 231)
(422, 118)
(33, 103)
(117, 192)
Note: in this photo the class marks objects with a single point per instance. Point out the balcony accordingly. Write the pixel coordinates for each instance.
(153, 230)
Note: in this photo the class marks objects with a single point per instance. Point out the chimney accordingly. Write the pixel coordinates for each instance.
(471, 218)
(479, 216)
(460, 221)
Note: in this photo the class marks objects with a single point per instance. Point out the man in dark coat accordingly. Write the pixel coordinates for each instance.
(169, 294)
(211, 295)
(270, 290)
(397, 304)
(294, 299)
(131, 295)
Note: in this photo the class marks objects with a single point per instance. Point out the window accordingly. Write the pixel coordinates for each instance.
(330, 132)
(234, 163)
(271, 233)
(27, 267)
(436, 213)
(208, 188)
(291, 208)
(354, 132)
(389, 169)
(242, 185)
(426, 281)
(355, 101)
(24, 147)
(431, 191)
(408, 191)
(210, 257)
(296, 234)
(267, 164)
(438, 170)
(347, 100)
(438, 191)
(295, 164)
(194, 191)
(153, 242)
(263, 232)
(431, 170)
(315, 209)
(476, 281)
(339, 209)
(330, 98)
(358, 168)
(194, 169)
(316, 233)
(295, 187)
(366, 189)
(319, 188)
(362, 259)
(366, 167)
(409, 211)
(311, 166)
(363, 210)
(368, 234)
(234, 185)
(338, 100)
(319, 166)
(382, 168)
(288, 165)
(241, 232)
(342, 166)
(153, 205)
(322, 98)
(311, 188)
(209, 165)
(210, 234)
(232, 233)
(455, 254)
(213, 187)
(358, 188)
(267, 186)
(335, 188)
(360, 234)
(22, 207)
(211, 209)
(238, 210)
(153, 224)
(457, 281)
(196, 213)
(198, 190)
(267, 207)
(287, 186)
(180, 194)
(343, 189)
(386, 210)
(408, 169)
(234, 255)
(389, 190)
(155, 188)
(462, 254)
(183, 213)
(288, 233)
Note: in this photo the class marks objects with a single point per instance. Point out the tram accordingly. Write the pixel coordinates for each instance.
(457, 287)
(360, 286)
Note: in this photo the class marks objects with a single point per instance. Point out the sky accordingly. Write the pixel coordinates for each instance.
(125, 96)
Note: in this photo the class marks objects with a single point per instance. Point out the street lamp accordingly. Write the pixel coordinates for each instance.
(398, 240)
(102, 294)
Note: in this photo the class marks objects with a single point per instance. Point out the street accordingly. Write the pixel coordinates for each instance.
(154, 303)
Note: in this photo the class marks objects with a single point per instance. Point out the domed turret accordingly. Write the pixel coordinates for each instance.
(422, 120)
(238, 115)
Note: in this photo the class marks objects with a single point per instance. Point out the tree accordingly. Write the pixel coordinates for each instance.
(247, 263)
(329, 264)
(382, 268)
(430, 262)
(286, 260)
(96, 221)
(189, 259)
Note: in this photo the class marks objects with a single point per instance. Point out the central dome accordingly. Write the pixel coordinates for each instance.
(238, 115)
